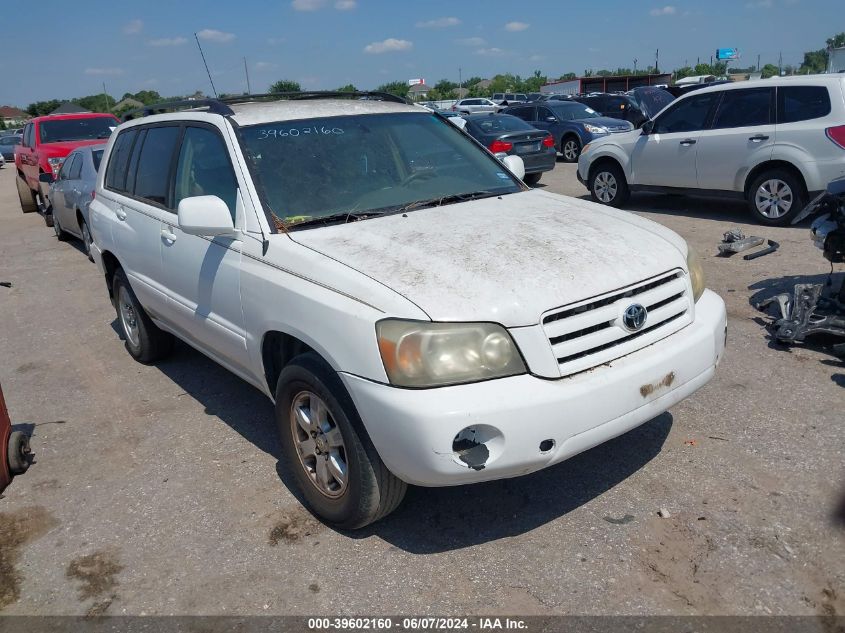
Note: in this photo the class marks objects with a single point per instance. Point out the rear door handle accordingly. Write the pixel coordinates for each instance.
(688, 141)
(121, 214)
(757, 138)
(168, 235)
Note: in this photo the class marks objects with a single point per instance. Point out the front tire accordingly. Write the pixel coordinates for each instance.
(328, 450)
(26, 196)
(570, 148)
(775, 197)
(18, 453)
(144, 341)
(608, 185)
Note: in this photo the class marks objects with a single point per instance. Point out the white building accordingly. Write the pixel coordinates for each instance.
(836, 60)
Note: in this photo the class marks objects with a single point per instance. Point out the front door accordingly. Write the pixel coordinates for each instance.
(202, 274)
(666, 157)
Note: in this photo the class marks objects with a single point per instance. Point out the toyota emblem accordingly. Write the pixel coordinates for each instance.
(634, 317)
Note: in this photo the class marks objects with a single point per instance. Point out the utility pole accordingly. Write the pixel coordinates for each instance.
(657, 62)
(460, 83)
(246, 72)
(106, 97)
(780, 64)
(211, 81)
(758, 62)
(635, 65)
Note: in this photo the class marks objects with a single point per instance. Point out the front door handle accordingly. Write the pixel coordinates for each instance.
(168, 235)
(757, 138)
(688, 141)
(121, 214)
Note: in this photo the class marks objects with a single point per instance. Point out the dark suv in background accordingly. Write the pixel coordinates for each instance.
(637, 106)
(571, 124)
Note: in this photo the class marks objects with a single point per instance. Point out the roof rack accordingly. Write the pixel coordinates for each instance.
(221, 106)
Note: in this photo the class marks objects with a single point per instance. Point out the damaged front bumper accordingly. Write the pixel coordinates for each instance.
(434, 437)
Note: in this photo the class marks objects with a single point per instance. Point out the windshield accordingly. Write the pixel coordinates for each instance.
(375, 163)
(653, 101)
(10, 140)
(577, 110)
(84, 129)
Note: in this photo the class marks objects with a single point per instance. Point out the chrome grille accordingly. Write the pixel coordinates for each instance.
(591, 332)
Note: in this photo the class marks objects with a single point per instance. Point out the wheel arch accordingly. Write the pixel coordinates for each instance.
(606, 159)
(277, 350)
(771, 165)
(112, 265)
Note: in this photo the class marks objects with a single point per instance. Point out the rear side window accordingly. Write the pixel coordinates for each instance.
(76, 168)
(744, 108)
(802, 103)
(153, 174)
(526, 114)
(119, 159)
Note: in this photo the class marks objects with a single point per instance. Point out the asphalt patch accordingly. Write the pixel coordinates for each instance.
(294, 525)
(96, 572)
(16, 530)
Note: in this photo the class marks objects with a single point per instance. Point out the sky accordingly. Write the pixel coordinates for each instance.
(71, 49)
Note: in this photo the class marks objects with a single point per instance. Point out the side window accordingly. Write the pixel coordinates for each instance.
(689, 115)
(27, 135)
(68, 166)
(743, 108)
(522, 113)
(545, 113)
(204, 168)
(76, 168)
(132, 171)
(152, 178)
(802, 103)
(118, 159)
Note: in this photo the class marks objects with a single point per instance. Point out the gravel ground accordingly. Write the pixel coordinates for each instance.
(157, 490)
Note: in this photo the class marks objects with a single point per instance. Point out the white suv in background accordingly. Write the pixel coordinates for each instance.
(774, 143)
(471, 106)
(417, 313)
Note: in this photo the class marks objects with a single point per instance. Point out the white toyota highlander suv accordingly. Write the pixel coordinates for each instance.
(774, 143)
(418, 315)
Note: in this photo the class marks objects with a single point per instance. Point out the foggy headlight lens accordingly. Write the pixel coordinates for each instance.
(424, 354)
(696, 274)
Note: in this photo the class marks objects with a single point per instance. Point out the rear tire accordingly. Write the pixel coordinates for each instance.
(608, 185)
(570, 148)
(26, 196)
(18, 453)
(86, 238)
(532, 179)
(144, 341)
(775, 197)
(311, 400)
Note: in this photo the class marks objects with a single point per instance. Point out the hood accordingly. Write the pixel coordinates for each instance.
(506, 260)
(66, 147)
(614, 125)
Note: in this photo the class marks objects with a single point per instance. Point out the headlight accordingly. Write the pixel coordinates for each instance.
(424, 354)
(585, 149)
(595, 129)
(696, 274)
(55, 164)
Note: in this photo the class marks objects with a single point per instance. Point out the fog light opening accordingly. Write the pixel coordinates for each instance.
(546, 446)
(469, 448)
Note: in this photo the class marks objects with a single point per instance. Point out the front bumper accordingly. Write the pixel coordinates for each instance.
(414, 430)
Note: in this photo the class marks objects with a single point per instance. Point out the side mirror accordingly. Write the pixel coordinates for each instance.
(206, 216)
(515, 164)
(46, 178)
(551, 119)
(648, 126)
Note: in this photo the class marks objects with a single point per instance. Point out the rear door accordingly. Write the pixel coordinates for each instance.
(202, 274)
(58, 196)
(28, 160)
(741, 136)
(667, 156)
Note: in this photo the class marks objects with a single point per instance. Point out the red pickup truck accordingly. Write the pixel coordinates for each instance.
(47, 140)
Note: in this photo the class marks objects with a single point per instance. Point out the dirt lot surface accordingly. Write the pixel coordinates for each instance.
(157, 490)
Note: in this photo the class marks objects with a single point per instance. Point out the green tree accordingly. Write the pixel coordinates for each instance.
(347, 88)
(285, 85)
(398, 88)
(40, 108)
(837, 41)
(533, 83)
(445, 89)
(2, 124)
(769, 70)
(96, 103)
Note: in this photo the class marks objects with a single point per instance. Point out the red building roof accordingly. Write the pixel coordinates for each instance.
(9, 112)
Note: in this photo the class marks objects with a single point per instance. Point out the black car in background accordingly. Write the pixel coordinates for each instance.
(637, 106)
(7, 146)
(505, 134)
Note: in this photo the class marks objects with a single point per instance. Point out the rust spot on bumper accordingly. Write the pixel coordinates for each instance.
(647, 390)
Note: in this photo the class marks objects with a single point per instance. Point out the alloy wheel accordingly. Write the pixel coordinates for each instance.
(774, 199)
(128, 317)
(605, 187)
(570, 150)
(319, 444)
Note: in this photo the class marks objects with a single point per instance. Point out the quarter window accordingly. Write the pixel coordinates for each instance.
(744, 108)
(67, 167)
(119, 158)
(76, 168)
(802, 103)
(689, 115)
(152, 176)
(204, 168)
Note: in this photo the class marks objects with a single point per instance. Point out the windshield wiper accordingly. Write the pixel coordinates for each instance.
(442, 200)
(337, 218)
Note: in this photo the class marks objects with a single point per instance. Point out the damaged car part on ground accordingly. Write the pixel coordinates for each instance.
(427, 320)
(817, 308)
